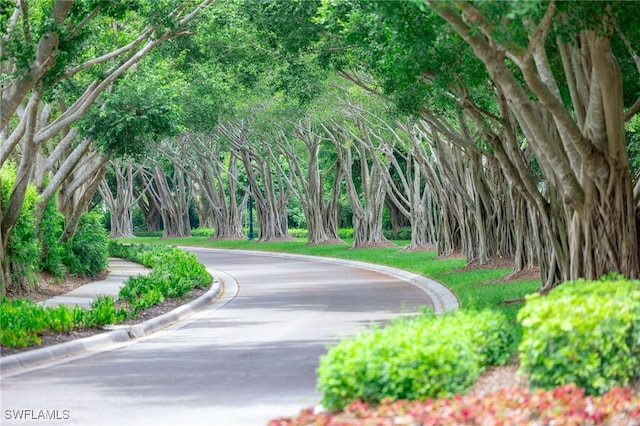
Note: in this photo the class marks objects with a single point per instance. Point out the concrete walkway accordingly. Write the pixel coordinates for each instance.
(119, 272)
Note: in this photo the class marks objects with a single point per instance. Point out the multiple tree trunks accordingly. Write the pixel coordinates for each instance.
(35, 129)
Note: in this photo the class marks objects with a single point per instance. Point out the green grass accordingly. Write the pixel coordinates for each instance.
(474, 289)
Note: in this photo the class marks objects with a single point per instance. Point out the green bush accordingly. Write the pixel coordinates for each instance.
(414, 358)
(52, 253)
(148, 234)
(23, 250)
(174, 273)
(60, 318)
(86, 252)
(345, 233)
(298, 233)
(103, 311)
(20, 323)
(403, 233)
(203, 232)
(583, 332)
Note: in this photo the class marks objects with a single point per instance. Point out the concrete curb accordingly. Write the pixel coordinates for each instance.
(36, 357)
(443, 298)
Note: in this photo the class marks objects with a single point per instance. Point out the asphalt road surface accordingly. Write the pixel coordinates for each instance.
(247, 359)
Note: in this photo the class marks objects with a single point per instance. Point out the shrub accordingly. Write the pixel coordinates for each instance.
(20, 322)
(414, 358)
(103, 311)
(23, 250)
(151, 234)
(174, 274)
(403, 233)
(587, 333)
(60, 318)
(298, 233)
(203, 232)
(345, 233)
(52, 254)
(86, 252)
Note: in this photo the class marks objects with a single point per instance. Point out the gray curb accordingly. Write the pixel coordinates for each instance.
(36, 357)
(443, 298)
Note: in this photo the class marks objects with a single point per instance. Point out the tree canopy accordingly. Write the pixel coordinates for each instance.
(494, 128)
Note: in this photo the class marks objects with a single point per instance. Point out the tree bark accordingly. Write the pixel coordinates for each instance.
(592, 215)
(307, 181)
(267, 183)
(356, 148)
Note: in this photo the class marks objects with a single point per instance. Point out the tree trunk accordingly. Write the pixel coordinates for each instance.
(267, 184)
(591, 220)
(366, 199)
(173, 202)
(307, 181)
(121, 206)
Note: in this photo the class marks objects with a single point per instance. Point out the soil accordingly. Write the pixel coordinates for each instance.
(424, 247)
(496, 262)
(50, 286)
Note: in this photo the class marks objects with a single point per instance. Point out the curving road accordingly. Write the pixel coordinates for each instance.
(246, 359)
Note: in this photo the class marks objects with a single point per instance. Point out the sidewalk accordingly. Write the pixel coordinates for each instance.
(119, 272)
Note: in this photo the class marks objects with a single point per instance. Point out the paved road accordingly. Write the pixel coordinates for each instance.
(247, 359)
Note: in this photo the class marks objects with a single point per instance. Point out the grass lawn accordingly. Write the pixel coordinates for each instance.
(476, 288)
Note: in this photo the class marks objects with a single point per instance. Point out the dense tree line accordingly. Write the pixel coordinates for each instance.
(495, 129)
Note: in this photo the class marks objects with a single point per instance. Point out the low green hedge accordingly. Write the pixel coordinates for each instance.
(174, 273)
(583, 332)
(414, 358)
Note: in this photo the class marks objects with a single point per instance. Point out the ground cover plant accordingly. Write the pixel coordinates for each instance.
(174, 273)
(23, 321)
(565, 405)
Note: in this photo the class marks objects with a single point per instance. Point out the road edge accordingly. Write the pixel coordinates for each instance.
(12, 364)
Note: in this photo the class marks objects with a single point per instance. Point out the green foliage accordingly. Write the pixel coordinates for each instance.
(103, 311)
(20, 323)
(138, 112)
(174, 274)
(414, 358)
(345, 233)
(86, 252)
(23, 250)
(203, 232)
(583, 332)
(633, 144)
(156, 234)
(53, 251)
(403, 233)
(298, 233)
